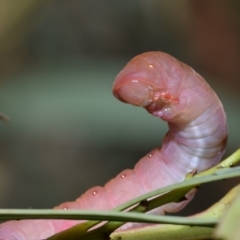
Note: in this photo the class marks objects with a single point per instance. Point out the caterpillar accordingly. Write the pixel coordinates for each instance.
(197, 136)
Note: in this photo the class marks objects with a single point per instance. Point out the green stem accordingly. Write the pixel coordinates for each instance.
(104, 215)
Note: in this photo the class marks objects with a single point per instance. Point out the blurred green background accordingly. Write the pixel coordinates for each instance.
(58, 60)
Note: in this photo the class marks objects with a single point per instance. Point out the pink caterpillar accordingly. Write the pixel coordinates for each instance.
(197, 136)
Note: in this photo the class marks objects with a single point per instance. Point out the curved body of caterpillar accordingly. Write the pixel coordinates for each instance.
(171, 90)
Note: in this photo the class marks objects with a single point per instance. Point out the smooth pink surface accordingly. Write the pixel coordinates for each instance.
(196, 139)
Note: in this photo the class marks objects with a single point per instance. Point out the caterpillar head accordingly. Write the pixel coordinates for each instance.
(150, 81)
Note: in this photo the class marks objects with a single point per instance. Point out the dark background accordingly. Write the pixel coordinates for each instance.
(58, 60)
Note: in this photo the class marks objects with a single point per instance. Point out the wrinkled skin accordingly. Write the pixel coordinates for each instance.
(196, 139)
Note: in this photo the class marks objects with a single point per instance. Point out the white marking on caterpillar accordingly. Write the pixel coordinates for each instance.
(197, 136)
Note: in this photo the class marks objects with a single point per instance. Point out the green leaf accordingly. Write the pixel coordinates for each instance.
(229, 227)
